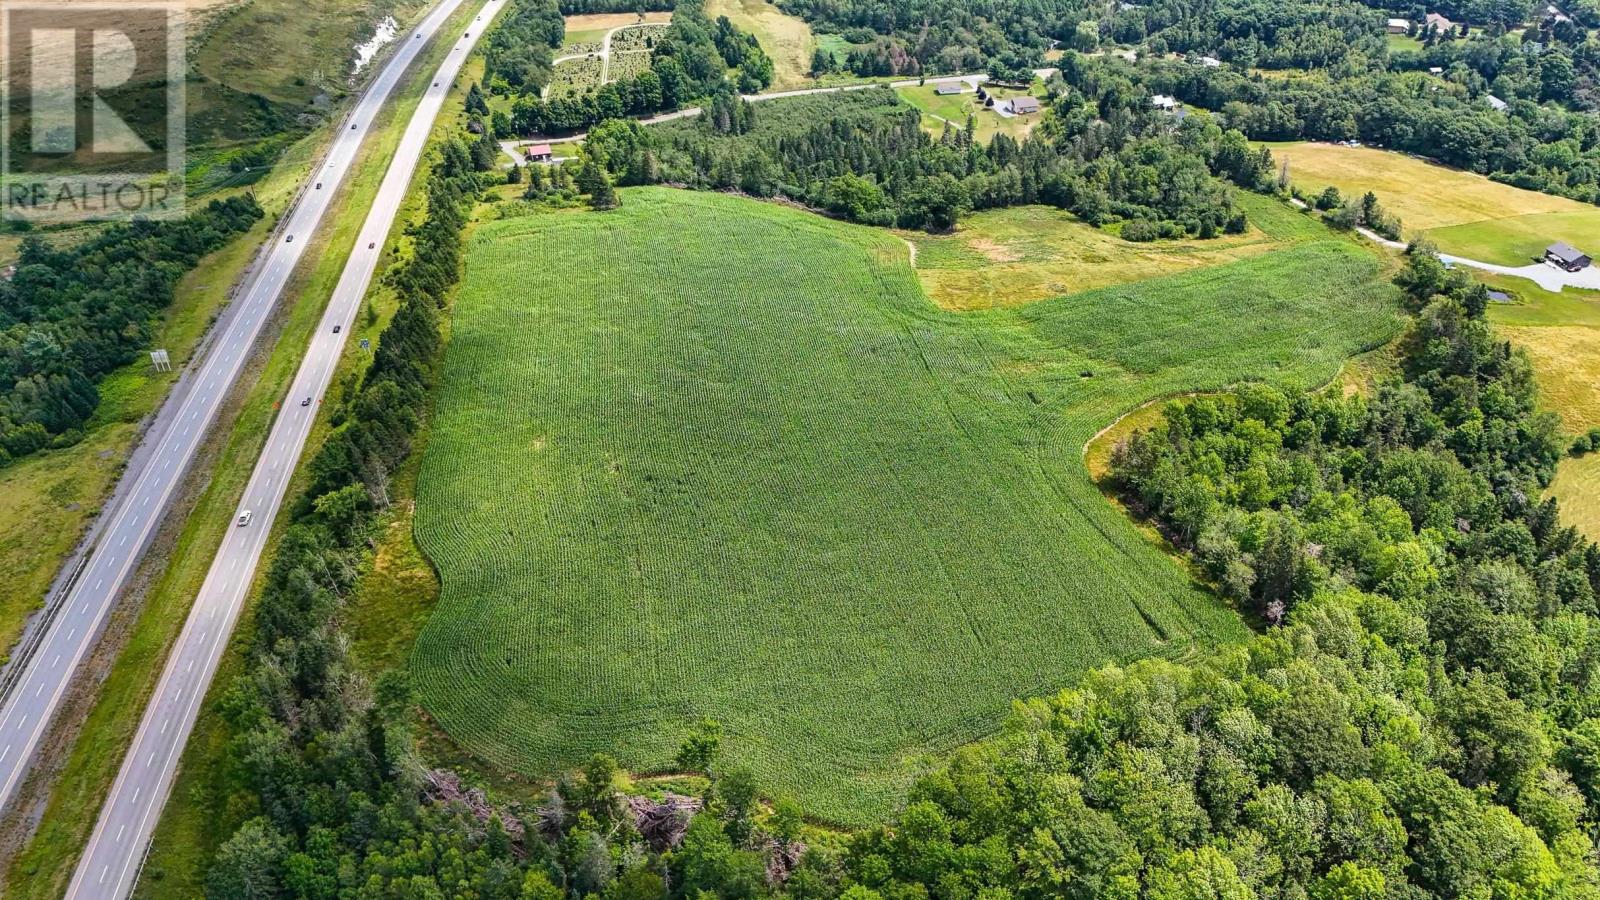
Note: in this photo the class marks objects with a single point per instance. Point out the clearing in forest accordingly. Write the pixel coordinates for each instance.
(1463, 213)
(781, 488)
(785, 38)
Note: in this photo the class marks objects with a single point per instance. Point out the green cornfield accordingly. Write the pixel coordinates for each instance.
(706, 456)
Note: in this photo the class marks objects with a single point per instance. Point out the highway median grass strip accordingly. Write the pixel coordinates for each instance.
(44, 866)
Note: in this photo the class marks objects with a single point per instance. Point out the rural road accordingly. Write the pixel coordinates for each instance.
(136, 511)
(110, 864)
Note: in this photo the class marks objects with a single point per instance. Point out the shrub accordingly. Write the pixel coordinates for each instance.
(1139, 231)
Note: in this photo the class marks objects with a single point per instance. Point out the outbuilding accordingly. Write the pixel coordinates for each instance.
(1566, 256)
(1398, 26)
(947, 90)
(1022, 106)
(540, 153)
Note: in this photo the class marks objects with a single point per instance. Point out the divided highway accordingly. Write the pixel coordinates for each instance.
(110, 864)
(158, 465)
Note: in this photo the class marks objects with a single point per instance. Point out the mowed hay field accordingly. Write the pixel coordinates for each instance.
(1561, 334)
(1463, 213)
(705, 456)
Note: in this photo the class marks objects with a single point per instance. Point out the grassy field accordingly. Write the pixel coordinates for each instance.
(1561, 334)
(289, 51)
(785, 38)
(785, 490)
(1400, 42)
(1465, 214)
(1006, 257)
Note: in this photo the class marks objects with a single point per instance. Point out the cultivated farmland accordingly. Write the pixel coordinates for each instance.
(781, 488)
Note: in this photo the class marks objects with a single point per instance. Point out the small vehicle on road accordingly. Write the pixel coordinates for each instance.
(306, 402)
(319, 185)
(289, 239)
(336, 328)
(245, 517)
(371, 244)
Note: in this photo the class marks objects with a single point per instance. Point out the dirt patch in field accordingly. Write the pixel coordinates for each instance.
(996, 252)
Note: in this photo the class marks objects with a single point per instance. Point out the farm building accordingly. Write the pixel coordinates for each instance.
(1210, 62)
(1165, 103)
(1398, 26)
(946, 90)
(1023, 105)
(1566, 256)
(540, 153)
(1496, 103)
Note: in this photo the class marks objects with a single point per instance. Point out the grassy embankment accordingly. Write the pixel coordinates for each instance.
(43, 867)
(787, 491)
(275, 49)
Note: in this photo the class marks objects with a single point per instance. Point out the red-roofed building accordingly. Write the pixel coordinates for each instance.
(539, 153)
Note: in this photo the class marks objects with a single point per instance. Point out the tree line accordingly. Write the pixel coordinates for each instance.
(69, 316)
(864, 156)
(902, 37)
(1541, 148)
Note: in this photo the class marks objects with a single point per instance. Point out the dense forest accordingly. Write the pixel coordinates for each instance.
(68, 317)
(902, 37)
